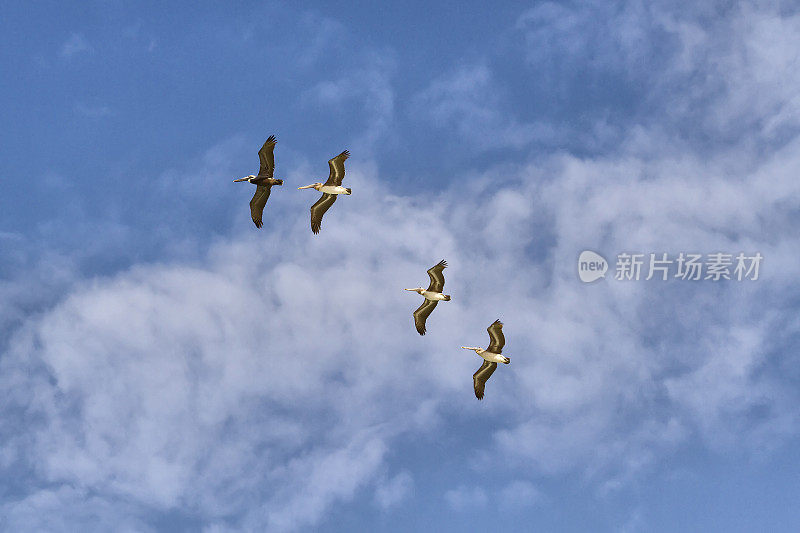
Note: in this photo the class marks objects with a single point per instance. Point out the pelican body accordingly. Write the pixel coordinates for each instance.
(263, 180)
(491, 356)
(255, 180)
(433, 295)
(327, 189)
(330, 190)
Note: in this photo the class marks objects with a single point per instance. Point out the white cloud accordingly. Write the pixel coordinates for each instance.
(68, 509)
(175, 385)
(368, 86)
(520, 494)
(93, 111)
(321, 35)
(247, 385)
(468, 100)
(76, 44)
(703, 70)
(394, 491)
(466, 498)
(10, 235)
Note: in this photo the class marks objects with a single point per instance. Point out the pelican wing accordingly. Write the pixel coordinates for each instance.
(267, 158)
(422, 313)
(258, 202)
(496, 338)
(437, 277)
(318, 209)
(479, 378)
(337, 169)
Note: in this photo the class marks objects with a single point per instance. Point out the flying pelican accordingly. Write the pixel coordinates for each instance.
(330, 189)
(432, 296)
(491, 355)
(264, 181)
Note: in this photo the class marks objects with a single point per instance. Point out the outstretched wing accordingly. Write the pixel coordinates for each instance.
(258, 202)
(437, 277)
(496, 338)
(318, 209)
(422, 313)
(337, 169)
(479, 378)
(267, 158)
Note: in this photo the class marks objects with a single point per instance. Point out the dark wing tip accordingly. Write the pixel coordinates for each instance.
(340, 158)
(258, 223)
(497, 323)
(420, 324)
(442, 263)
(316, 225)
(419, 321)
(271, 140)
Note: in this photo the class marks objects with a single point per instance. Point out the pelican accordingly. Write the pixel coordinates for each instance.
(491, 357)
(433, 295)
(263, 181)
(330, 189)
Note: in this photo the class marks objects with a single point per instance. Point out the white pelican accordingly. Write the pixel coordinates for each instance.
(491, 357)
(330, 189)
(433, 295)
(263, 180)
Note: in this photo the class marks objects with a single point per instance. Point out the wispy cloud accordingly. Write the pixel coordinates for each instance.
(466, 498)
(468, 100)
(69, 508)
(394, 491)
(10, 235)
(520, 494)
(367, 87)
(93, 111)
(76, 44)
(717, 74)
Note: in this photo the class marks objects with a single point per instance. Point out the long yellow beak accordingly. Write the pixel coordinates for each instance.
(306, 187)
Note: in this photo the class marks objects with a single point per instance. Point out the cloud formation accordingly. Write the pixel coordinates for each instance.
(244, 389)
(76, 44)
(189, 386)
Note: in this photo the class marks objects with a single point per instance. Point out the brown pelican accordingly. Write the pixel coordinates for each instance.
(432, 296)
(264, 181)
(330, 189)
(491, 355)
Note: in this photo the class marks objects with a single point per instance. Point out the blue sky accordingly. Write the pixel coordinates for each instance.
(167, 367)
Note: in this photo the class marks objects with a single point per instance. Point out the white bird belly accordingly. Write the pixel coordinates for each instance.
(435, 296)
(333, 189)
(493, 357)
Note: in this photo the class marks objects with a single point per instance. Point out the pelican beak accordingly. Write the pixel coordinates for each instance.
(240, 179)
(306, 187)
(409, 289)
